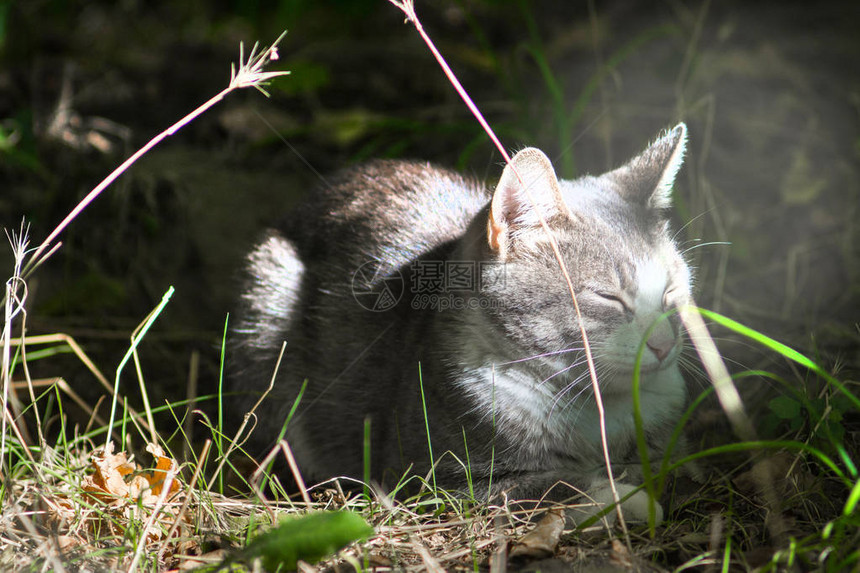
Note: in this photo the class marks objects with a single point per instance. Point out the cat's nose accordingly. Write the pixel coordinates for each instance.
(661, 348)
(662, 340)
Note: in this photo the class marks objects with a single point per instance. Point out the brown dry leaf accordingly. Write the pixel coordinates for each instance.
(620, 555)
(163, 464)
(120, 485)
(107, 484)
(67, 542)
(541, 541)
(157, 476)
(139, 489)
(110, 482)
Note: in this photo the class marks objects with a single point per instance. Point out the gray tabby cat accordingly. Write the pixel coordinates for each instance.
(398, 275)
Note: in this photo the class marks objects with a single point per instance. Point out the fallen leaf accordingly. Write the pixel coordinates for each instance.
(126, 490)
(156, 477)
(107, 483)
(620, 555)
(541, 541)
(67, 542)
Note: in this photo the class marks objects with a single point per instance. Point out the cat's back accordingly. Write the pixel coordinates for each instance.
(387, 211)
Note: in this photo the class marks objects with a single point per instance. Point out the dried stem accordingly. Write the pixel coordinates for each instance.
(249, 74)
(408, 8)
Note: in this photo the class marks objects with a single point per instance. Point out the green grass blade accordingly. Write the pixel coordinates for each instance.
(135, 342)
(217, 436)
(308, 538)
(427, 427)
(366, 459)
(779, 347)
(764, 445)
(853, 499)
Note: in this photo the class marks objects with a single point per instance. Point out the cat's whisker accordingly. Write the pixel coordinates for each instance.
(542, 355)
(741, 342)
(694, 369)
(693, 351)
(708, 244)
(690, 222)
(601, 369)
(564, 391)
(581, 399)
(575, 364)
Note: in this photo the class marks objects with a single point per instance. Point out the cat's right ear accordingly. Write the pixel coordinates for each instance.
(648, 178)
(527, 191)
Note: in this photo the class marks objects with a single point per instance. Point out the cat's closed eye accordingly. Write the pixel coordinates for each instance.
(616, 300)
(669, 296)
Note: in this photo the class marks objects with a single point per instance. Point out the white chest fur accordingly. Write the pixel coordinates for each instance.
(528, 413)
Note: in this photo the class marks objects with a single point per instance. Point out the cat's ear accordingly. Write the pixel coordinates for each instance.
(527, 191)
(648, 178)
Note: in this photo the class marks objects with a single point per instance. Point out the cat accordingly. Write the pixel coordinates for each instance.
(417, 299)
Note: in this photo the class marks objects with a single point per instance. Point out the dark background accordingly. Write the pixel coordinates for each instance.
(769, 90)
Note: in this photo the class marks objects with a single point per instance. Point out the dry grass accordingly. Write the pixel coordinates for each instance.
(58, 514)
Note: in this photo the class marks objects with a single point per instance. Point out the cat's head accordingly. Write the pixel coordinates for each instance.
(612, 233)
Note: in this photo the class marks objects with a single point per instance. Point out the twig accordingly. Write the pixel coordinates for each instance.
(191, 399)
(249, 74)
(294, 468)
(408, 8)
(257, 477)
(14, 304)
(203, 455)
(65, 388)
(162, 497)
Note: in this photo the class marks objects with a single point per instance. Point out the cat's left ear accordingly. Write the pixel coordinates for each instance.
(648, 178)
(528, 191)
